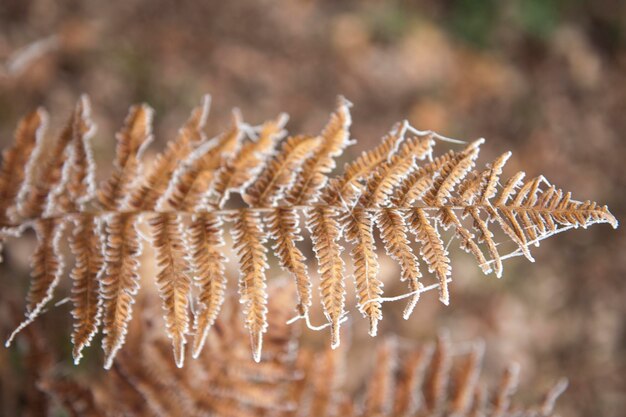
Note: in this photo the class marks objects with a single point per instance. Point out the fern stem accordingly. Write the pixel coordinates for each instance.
(9, 228)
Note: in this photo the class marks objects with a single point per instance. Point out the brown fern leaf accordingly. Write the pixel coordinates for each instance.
(486, 236)
(510, 188)
(172, 279)
(158, 366)
(533, 214)
(508, 191)
(43, 171)
(283, 228)
(47, 264)
(412, 381)
(146, 193)
(506, 390)
(467, 381)
(243, 168)
(494, 172)
(528, 195)
(148, 375)
(415, 185)
(120, 281)
(248, 240)
(389, 174)
(405, 379)
(283, 224)
(392, 226)
(358, 223)
(312, 176)
(191, 180)
(347, 187)
(399, 186)
(409, 379)
(379, 395)
(132, 140)
(448, 218)
(482, 189)
(14, 159)
(85, 245)
(77, 185)
(204, 241)
(369, 288)
(553, 208)
(438, 377)
(325, 231)
(280, 171)
(432, 250)
(223, 381)
(512, 228)
(471, 186)
(451, 174)
(324, 380)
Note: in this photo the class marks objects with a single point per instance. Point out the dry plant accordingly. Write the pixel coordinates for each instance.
(407, 380)
(400, 188)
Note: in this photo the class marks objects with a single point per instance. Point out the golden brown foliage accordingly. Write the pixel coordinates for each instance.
(431, 380)
(205, 239)
(14, 159)
(86, 246)
(406, 379)
(173, 279)
(400, 188)
(119, 282)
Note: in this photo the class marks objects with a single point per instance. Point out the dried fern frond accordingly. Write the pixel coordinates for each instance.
(416, 198)
(424, 381)
(223, 381)
(406, 379)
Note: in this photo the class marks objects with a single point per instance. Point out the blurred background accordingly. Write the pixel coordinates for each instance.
(545, 79)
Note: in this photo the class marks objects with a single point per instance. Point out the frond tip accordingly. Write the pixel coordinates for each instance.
(418, 202)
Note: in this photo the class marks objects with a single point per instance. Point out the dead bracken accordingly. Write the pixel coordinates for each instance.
(400, 188)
